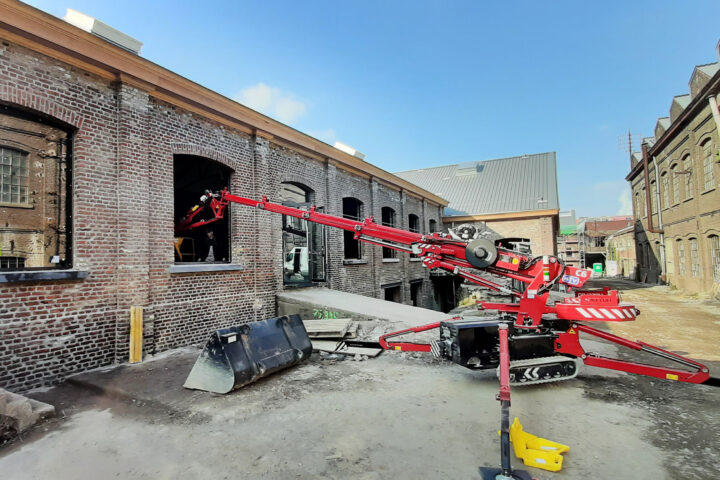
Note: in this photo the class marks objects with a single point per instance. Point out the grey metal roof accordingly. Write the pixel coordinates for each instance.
(504, 185)
(682, 100)
(709, 69)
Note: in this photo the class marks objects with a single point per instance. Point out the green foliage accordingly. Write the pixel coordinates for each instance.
(317, 313)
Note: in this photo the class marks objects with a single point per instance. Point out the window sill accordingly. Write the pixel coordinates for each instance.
(17, 205)
(354, 261)
(205, 267)
(708, 191)
(416, 259)
(391, 260)
(40, 275)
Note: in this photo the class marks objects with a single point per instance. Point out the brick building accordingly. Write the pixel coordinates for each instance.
(676, 199)
(515, 197)
(620, 248)
(103, 151)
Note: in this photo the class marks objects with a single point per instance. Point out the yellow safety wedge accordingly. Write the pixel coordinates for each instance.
(535, 451)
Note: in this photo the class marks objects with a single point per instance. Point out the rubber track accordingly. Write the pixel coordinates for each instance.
(541, 361)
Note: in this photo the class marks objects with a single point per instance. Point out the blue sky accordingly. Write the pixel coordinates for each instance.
(416, 84)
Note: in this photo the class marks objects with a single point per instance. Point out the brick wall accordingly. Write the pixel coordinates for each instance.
(124, 141)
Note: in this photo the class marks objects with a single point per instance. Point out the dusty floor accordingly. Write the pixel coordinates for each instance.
(397, 416)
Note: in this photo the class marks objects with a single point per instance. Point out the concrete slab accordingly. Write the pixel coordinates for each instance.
(305, 301)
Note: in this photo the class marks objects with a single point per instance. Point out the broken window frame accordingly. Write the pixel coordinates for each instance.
(188, 186)
(388, 218)
(352, 248)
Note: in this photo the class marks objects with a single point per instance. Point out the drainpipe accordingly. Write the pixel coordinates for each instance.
(715, 111)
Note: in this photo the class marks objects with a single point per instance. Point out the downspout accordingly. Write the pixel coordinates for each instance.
(715, 111)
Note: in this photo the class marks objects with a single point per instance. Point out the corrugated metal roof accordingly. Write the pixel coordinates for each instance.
(504, 185)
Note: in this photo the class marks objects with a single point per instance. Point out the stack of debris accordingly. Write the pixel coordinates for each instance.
(335, 336)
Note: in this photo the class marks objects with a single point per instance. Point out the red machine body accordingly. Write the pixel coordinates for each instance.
(531, 315)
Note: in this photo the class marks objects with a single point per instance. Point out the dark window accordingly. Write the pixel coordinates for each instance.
(12, 263)
(414, 223)
(393, 294)
(388, 219)
(192, 177)
(415, 289)
(352, 209)
(433, 226)
(34, 192)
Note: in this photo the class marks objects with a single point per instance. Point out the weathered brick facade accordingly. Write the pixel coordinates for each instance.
(124, 137)
(684, 193)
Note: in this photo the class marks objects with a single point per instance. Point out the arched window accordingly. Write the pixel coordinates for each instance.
(694, 258)
(414, 223)
(675, 184)
(352, 208)
(680, 256)
(432, 224)
(192, 176)
(714, 244)
(653, 198)
(665, 190)
(35, 192)
(687, 166)
(303, 242)
(389, 220)
(643, 200)
(708, 166)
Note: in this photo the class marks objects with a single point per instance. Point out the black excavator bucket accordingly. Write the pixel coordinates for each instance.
(236, 356)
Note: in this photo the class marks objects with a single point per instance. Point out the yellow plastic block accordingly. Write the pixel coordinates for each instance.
(535, 451)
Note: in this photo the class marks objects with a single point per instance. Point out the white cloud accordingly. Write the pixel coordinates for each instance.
(328, 135)
(273, 102)
(625, 200)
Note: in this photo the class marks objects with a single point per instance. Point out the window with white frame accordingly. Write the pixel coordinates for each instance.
(714, 244)
(675, 183)
(694, 258)
(13, 176)
(708, 166)
(687, 166)
(665, 190)
(681, 256)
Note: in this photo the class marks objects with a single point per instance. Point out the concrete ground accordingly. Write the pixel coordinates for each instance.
(396, 416)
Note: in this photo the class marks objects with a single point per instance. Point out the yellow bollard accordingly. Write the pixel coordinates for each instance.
(136, 334)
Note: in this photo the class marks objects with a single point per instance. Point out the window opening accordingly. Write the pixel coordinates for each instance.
(303, 241)
(714, 243)
(708, 166)
(415, 289)
(665, 190)
(193, 175)
(433, 226)
(687, 165)
(694, 258)
(393, 294)
(35, 181)
(675, 184)
(352, 209)
(388, 219)
(681, 257)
